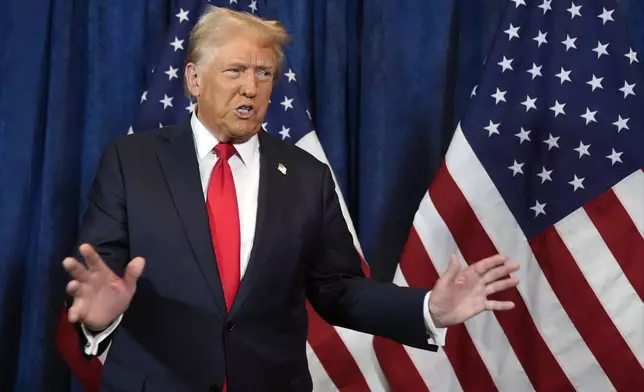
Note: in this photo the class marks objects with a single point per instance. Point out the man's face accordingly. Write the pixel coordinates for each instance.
(233, 87)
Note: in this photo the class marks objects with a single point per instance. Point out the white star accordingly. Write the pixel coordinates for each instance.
(506, 64)
(288, 103)
(545, 175)
(535, 71)
(285, 132)
(290, 75)
(166, 101)
(606, 15)
(516, 168)
(628, 89)
(558, 108)
(615, 157)
(632, 56)
(564, 75)
(172, 73)
(177, 44)
(541, 38)
(569, 42)
(523, 135)
(160, 125)
(546, 6)
(601, 49)
(583, 149)
(577, 183)
(499, 96)
(518, 2)
(231, 1)
(621, 123)
(253, 6)
(589, 116)
(182, 15)
(473, 93)
(574, 11)
(552, 141)
(308, 114)
(144, 96)
(130, 131)
(512, 32)
(191, 107)
(596, 82)
(529, 103)
(264, 126)
(492, 128)
(539, 209)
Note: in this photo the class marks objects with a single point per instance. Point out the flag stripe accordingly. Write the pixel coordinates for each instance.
(584, 309)
(630, 192)
(397, 366)
(321, 380)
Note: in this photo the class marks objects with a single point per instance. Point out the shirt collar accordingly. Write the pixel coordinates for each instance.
(205, 141)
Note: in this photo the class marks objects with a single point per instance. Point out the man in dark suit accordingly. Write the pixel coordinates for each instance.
(236, 229)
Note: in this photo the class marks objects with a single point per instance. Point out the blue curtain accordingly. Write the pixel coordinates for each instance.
(388, 81)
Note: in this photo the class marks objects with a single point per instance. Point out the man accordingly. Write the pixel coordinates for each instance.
(236, 229)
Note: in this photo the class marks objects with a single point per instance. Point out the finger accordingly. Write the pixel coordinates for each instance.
(499, 272)
(74, 288)
(93, 259)
(501, 285)
(75, 269)
(499, 305)
(133, 272)
(77, 311)
(452, 269)
(484, 265)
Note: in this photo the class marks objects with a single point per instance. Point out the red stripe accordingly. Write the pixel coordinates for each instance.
(470, 370)
(334, 355)
(540, 365)
(621, 236)
(400, 371)
(586, 312)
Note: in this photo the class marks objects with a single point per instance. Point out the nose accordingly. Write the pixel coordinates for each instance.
(249, 85)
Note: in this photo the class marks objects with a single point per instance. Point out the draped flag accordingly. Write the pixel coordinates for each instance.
(546, 168)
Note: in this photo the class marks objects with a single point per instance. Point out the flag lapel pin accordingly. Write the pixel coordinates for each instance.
(281, 168)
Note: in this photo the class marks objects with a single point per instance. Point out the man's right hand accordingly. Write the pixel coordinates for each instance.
(100, 295)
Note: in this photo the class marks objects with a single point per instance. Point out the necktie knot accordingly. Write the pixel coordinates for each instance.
(225, 151)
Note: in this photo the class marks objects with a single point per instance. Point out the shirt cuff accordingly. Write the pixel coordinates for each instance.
(94, 339)
(435, 336)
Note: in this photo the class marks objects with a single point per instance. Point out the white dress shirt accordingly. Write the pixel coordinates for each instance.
(245, 168)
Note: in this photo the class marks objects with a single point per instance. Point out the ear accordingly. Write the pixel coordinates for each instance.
(192, 79)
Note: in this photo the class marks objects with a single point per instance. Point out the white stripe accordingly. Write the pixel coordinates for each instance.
(487, 335)
(605, 277)
(434, 367)
(630, 192)
(321, 380)
(559, 333)
(360, 345)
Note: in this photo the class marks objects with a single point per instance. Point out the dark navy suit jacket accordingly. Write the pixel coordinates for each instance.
(176, 336)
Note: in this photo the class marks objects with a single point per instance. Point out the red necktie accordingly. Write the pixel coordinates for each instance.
(223, 216)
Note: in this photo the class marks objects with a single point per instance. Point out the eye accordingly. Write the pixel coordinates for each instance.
(232, 72)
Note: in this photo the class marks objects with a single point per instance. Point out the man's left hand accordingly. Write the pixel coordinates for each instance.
(461, 294)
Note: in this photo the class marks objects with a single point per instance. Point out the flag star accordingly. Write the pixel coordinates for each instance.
(583, 149)
(529, 103)
(172, 73)
(615, 157)
(558, 108)
(601, 49)
(546, 6)
(288, 103)
(182, 15)
(191, 106)
(606, 15)
(253, 6)
(632, 56)
(518, 2)
(516, 168)
(535, 71)
(285, 132)
(130, 131)
(621, 123)
(539, 209)
(512, 32)
(569, 42)
(499, 96)
(552, 141)
(523, 135)
(144, 96)
(264, 126)
(589, 116)
(506, 64)
(545, 175)
(177, 44)
(290, 75)
(628, 89)
(166, 101)
(574, 11)
(308, 114)
(231, 1)
(596, 82)
(160, 125)
(473, 93)
(492, 128)
(541, 38)
(564, 75)
(577, 183)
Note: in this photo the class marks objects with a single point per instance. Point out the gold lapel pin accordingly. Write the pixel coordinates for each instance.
(281, 168)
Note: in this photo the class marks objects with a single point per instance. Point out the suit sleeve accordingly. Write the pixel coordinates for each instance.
(343, 296)
(104, 225)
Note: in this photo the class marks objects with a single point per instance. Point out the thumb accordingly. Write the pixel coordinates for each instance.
(452, 269)
(133, 272)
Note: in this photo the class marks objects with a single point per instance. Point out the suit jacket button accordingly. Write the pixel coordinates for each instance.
(230, 325)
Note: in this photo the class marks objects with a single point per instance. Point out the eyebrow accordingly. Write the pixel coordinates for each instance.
(242, 64)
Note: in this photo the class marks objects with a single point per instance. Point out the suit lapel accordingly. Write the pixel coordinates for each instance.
(272, 185)
(181, 169)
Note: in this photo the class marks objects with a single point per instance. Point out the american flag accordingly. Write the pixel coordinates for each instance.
(546, 168)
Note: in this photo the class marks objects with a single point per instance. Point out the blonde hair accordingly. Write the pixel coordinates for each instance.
(218, 24)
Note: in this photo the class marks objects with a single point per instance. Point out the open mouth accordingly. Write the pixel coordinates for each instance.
(244, 111)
